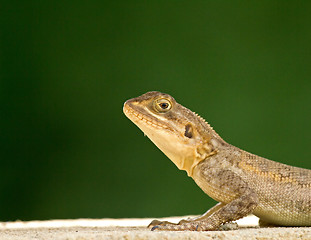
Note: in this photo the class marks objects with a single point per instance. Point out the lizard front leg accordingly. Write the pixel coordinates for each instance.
(232, 211)
(243, 203)
(205, 215)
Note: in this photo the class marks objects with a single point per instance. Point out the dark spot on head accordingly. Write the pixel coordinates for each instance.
(188, 131)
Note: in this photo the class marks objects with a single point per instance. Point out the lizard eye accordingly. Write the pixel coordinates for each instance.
(162, 105)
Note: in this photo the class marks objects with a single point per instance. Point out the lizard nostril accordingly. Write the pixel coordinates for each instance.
(188, 131)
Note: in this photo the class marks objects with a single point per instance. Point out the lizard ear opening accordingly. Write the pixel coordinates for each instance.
(188, 131)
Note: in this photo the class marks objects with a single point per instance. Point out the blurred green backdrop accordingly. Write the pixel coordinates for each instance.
(66, 67)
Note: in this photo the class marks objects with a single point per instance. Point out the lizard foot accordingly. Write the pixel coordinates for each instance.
(190, 226)
(155, 223)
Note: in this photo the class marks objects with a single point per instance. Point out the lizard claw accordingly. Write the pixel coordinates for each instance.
(159, 223)
(154, 228)
(196, 228)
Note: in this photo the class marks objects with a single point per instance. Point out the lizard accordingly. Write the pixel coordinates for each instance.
(241, 182)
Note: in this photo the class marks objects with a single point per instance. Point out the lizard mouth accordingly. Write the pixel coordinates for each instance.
(139, 118)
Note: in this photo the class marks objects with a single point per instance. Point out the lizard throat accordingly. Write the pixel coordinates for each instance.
(185, 153)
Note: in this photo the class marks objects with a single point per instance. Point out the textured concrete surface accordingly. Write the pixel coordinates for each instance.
(97, 229)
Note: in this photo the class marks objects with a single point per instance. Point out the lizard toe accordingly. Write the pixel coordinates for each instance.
(154, 223)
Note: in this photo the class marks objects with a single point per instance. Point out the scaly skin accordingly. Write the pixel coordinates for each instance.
(241, 182)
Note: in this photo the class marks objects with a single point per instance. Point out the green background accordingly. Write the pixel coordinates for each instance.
(66, 68)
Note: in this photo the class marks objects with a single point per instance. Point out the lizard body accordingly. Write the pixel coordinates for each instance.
(241, 182)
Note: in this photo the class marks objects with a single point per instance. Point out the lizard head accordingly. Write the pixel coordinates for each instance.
(182, 135)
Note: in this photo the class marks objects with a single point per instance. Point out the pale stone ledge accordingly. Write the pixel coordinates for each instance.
(97, 229)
